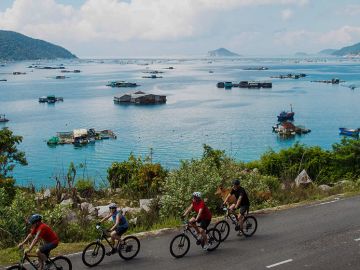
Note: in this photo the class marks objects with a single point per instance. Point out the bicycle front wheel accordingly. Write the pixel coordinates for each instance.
(214, 239)
(249, 226)
(224, 229)
(60, 263)
(180, 245)
(16, 267)
(93, 254)
(130, 248)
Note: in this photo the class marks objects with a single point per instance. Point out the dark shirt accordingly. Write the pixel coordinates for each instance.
(241, 192)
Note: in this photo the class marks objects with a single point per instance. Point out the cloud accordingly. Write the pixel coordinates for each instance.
(286, 14)
(342, 36)
(352, 10)
(120, 20)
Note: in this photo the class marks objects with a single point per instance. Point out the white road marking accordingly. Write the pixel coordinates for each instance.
(358, 239)
(74, 254)
(279, 263)
(328, 202)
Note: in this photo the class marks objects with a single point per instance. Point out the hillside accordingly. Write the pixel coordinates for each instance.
(349, 50)
(17, 47)
(327, 51)
(222, 52)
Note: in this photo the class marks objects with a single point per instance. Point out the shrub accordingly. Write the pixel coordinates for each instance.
(85, 187)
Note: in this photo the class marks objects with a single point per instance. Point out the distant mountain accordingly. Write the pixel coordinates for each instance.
(17, 47)
(327, 51)
(222, 52)
(349, 50)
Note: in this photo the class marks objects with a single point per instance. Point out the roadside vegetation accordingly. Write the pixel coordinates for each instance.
(70, 205)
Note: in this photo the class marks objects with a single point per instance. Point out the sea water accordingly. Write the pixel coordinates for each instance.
(236, 120)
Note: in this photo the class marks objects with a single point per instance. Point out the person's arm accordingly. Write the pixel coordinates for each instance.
(26, 239)
(105, 218)
(227, 197)
(117, 222)
(187, 211)
(33, 243)
(199, 214)
(238, 201)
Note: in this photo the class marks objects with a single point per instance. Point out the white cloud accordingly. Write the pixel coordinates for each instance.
(119, 20)
(352, 10)
(342, 36)
(286, 14)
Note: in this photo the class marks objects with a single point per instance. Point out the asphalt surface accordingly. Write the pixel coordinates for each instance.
(318, 236)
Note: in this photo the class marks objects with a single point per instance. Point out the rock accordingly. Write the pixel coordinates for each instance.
(67, 202)
(133, 221)
(71, 216)
(117, 190)
(324, 187)
(87, 207)
(131, 210)
(47, 193)
(255, 170)
(145, 204)
(102, 210)
(303, 179)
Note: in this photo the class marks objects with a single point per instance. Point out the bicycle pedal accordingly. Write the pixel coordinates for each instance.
(198, 242)
(237, 228)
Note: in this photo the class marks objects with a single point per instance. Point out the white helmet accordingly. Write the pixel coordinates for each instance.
(112, 205)
(197, 194)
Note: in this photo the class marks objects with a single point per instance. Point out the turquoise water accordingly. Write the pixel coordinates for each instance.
(238, 121)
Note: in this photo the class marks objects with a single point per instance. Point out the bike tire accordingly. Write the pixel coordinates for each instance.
(16, 267)
(96, 249)
(249, 226)
(60, 263)
(224, 229)
(214, 239)
(181, 242)
(131, 243)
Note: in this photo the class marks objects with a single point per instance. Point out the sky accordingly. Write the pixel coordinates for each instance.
(175, 28)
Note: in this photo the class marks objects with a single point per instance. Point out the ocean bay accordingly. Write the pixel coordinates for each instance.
(237, 120)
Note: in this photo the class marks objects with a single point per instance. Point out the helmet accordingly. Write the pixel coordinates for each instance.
(197, 194)
(35, 218)
(236, 182)
(112, 205)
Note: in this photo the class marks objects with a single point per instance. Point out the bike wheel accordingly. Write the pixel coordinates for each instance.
(60, 263)
(93, 254)
(214, 239)
(130, 248)
(249, 226)
(180, 245)
(224, 229)
(16, 267)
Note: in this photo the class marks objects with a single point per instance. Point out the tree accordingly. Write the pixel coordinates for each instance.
(9, 154)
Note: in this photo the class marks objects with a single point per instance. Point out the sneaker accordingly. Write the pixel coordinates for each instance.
(198, 240)
(111, 252)
(205, 247)
(240, 233)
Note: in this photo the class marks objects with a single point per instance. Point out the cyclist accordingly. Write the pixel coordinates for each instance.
(242, 202)
(40, 230)
(203, 217)
(119, 228)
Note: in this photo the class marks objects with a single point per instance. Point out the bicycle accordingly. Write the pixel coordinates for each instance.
(249, 224)
(181, 242)
(58, 263)
(94, 253)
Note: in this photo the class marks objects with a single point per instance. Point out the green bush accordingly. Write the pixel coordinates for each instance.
(85, 187)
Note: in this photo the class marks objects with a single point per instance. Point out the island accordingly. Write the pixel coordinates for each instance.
(222, 52)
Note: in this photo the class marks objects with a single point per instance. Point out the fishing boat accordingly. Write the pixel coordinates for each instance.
(3, 119)
(228, 85)
(286, 116)
(349, 132)
(122, 84)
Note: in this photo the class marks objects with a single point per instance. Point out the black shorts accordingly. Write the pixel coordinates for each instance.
(46, 248)
(203, 224)
(244, 209)
(120, 230)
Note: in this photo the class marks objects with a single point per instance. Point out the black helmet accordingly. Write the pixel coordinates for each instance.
(236, 182)
(35, 218)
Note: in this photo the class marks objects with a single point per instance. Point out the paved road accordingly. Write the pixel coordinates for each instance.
(319, 236)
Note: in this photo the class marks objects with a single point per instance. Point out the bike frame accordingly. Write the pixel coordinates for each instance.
(104, 236)
(26, 258)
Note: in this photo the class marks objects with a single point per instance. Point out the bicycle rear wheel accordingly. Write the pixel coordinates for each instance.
(224, 229)
(60, 263)
(180, 245)
(249, 226)
(130, 248)
(93, 254)
(214, 239)
(16, 267)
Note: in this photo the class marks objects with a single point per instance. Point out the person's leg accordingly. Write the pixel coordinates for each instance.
(192, 223)
(44, 252)
(42, 259)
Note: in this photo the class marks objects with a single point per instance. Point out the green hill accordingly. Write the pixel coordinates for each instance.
(349, 50)
(17, 47)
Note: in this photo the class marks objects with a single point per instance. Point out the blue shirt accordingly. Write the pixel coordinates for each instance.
(123, 221)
